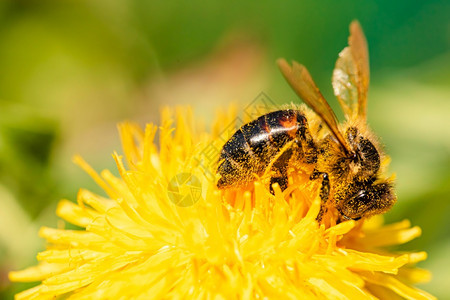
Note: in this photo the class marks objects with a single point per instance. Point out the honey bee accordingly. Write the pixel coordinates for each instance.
(347, 158)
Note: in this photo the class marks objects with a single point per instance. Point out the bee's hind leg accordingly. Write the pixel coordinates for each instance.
(280, 170)
(324, 191)
(282, 181)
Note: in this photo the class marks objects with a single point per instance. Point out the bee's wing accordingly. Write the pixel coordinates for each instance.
(300, 80)
(351, 75)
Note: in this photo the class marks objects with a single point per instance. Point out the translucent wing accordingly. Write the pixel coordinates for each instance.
(344, 83)
(300, 80)
(351, 75)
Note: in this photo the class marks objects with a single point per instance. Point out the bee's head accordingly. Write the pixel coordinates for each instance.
(365, 156)
(364, 199)
(365, 193)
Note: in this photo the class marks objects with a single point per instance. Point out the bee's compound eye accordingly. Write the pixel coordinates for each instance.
(368, 201)
(356, 205)
(362, 197)
(359, 199)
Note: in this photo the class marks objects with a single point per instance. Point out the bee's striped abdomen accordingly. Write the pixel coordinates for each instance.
(253, 146)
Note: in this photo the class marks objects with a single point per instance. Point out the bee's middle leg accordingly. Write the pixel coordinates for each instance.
(324, 191)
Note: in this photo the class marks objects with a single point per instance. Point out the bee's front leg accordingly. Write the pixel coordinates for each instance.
(324, 191)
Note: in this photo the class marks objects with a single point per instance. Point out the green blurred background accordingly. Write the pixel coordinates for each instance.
(70, 70)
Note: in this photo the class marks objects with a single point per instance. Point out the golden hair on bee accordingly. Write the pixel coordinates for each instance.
(345, 157)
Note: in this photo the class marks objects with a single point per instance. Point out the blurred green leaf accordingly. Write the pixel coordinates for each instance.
(25, 149)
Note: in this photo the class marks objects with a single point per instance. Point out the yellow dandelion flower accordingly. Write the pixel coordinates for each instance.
(165, 231)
